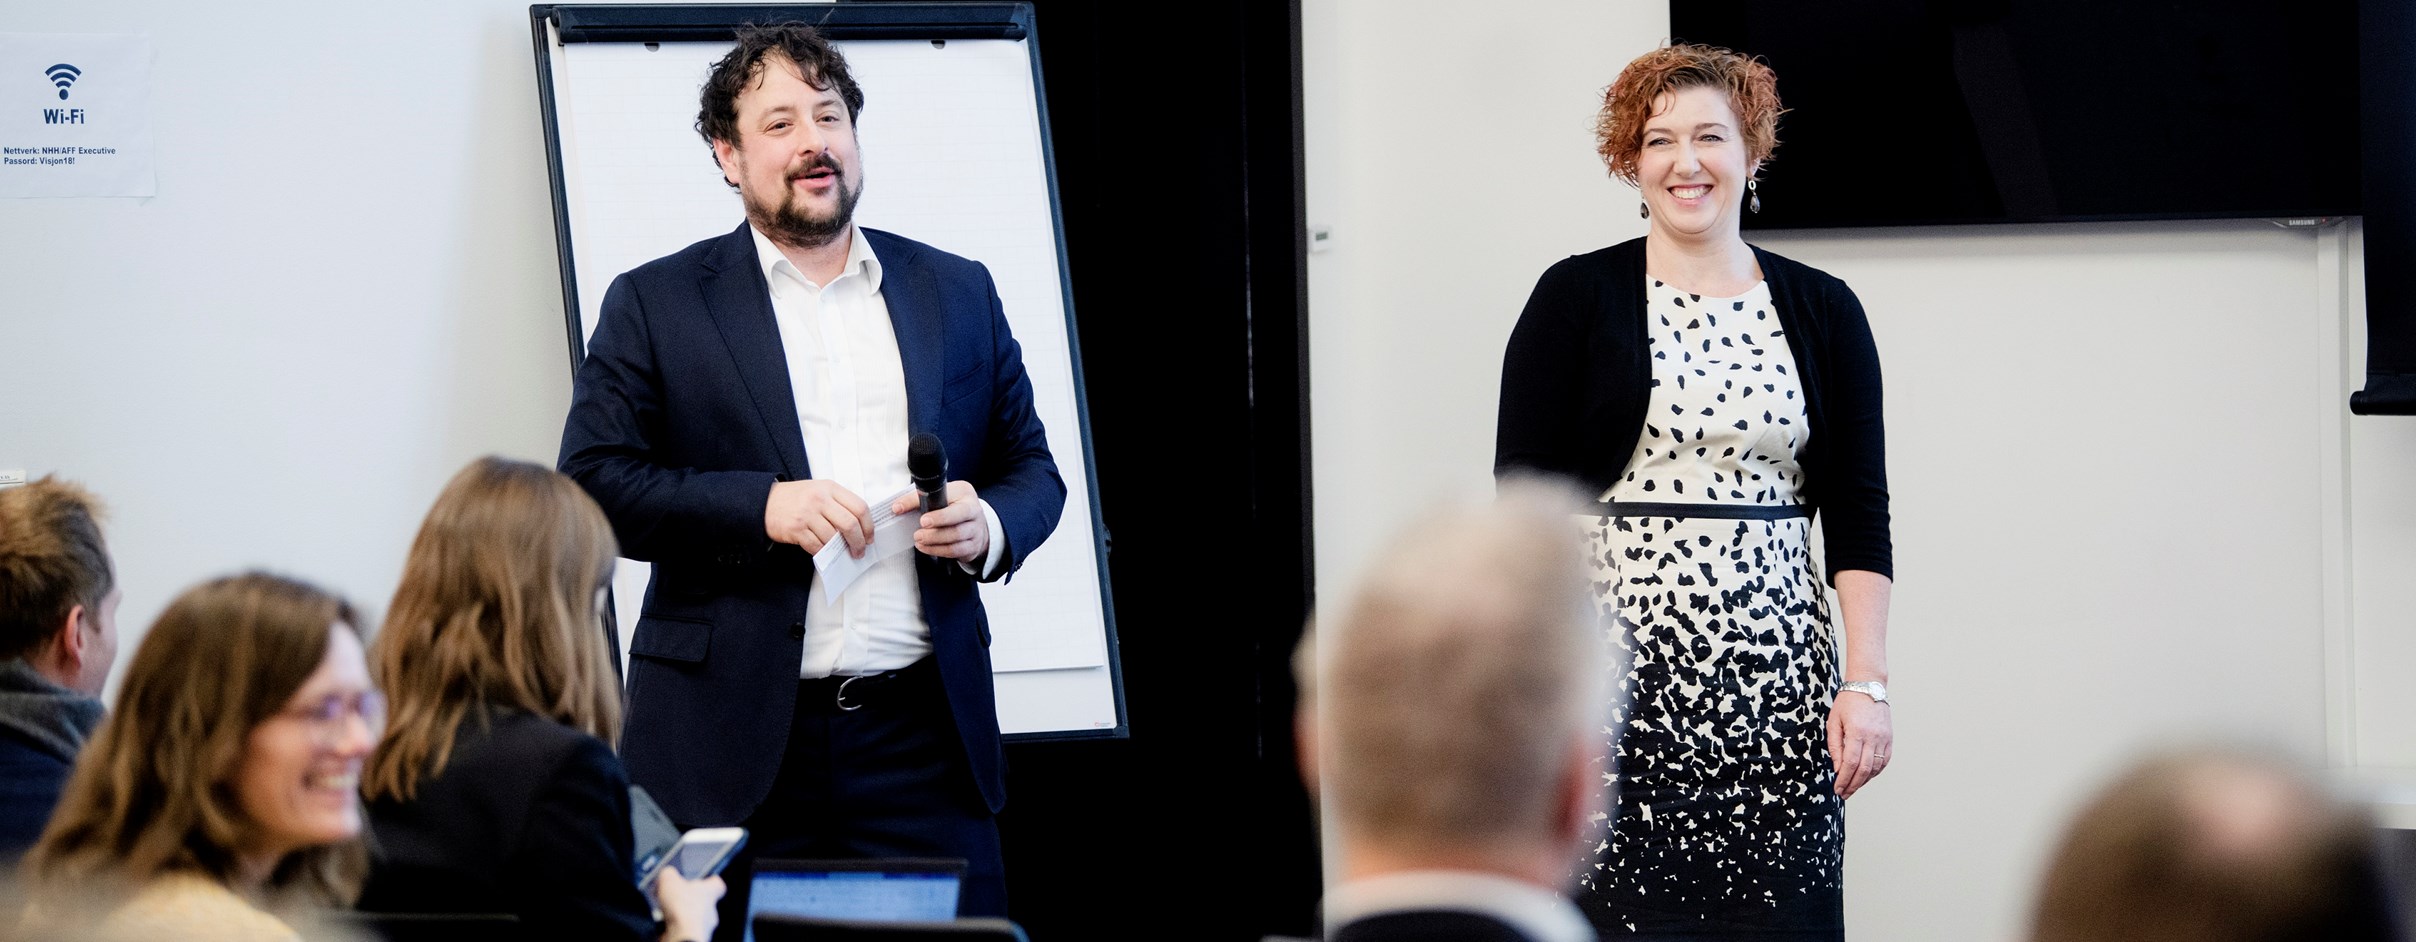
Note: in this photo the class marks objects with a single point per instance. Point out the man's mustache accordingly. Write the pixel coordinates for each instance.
(819, 162)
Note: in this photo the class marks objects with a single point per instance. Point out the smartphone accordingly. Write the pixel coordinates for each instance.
(699, 854)
(651, 832)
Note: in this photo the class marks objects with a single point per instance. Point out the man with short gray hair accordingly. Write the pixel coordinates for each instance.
(1454, 715)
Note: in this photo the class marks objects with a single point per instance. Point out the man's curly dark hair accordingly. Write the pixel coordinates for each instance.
(819, 62)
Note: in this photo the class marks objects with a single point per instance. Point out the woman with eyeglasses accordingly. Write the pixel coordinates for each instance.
(219, 800)
(497, 790)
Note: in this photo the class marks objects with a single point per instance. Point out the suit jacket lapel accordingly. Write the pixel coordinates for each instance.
(914, 313)
(740, 304)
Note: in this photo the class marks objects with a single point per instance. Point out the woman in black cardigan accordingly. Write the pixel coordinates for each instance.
(1715, 397)
(496, 790)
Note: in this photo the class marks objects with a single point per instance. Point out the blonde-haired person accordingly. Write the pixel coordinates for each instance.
(1713, 397)
(1451, 724)
(497, 790)
(219, 799)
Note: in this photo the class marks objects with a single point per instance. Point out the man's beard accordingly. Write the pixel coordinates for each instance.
(790, 224)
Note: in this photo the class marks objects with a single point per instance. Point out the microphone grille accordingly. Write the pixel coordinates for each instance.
(924, 455)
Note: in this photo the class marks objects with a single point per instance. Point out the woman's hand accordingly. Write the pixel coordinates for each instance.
(1861, 730)
(1861, 734)
(688, 905)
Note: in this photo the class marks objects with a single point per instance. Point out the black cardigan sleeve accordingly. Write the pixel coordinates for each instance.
(1575, 385)
(1852, 487)
(1544, 372)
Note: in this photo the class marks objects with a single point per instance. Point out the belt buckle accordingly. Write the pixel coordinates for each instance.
(841, 697)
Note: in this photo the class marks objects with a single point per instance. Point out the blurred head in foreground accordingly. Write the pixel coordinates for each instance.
(1452, 713)
(224, 784)
(2213, 845)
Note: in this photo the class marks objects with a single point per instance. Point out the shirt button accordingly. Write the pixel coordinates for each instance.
(797, 630)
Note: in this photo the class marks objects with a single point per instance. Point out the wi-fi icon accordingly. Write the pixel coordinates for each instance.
(62, 75)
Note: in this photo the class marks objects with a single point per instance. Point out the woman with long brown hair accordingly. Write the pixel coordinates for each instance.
(497, 789)
(219, 800)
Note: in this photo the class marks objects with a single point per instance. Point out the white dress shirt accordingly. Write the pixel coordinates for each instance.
(1535, 912)
(850, 390)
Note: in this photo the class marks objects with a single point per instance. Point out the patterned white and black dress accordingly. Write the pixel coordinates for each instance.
(1727, 822)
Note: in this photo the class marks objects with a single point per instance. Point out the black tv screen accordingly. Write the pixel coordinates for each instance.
(1918, 112)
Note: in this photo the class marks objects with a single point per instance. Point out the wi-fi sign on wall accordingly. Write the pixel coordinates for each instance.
(62, 75)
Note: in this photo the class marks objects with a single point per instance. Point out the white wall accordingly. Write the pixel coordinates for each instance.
(2110, 444)
(344, 290)
(1452, 153)
(2375, 585)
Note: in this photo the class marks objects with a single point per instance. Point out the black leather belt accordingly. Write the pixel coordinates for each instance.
(849, 693)
(1629, 508)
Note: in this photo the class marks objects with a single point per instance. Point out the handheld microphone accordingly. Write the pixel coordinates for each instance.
(927, 464)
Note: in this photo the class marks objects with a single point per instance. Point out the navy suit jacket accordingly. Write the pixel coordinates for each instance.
(680, 422)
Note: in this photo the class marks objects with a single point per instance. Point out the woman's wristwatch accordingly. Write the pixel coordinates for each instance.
(1870, 688)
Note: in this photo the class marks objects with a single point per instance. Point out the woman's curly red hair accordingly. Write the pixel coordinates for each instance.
(1751, 87)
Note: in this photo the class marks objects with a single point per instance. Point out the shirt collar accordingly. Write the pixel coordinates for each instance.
(1536, 912)
(860, 258)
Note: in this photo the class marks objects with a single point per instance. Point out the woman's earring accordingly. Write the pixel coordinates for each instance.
(1753, 196)
(1644, 210)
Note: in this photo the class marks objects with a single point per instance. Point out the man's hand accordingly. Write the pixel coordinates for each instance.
(813, 513)
(953, 532)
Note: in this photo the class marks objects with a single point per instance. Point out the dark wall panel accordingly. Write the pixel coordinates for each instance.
(1177, 141)
(2387, 34)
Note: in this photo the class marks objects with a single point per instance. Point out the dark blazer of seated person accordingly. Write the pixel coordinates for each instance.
(528, 817)
(1449, 906)
(42, 725)
(1429, 926)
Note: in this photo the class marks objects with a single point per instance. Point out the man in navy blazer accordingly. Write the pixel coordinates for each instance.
(742, 403)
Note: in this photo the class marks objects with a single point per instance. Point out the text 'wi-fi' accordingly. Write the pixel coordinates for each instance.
(62, 75)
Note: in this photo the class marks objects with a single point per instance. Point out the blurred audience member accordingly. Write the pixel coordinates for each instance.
(1456, 725)
(219, 800)
(497, 790)
(58, 636)
(2204, 846)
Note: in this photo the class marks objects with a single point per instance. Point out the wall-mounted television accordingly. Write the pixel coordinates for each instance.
(1922, 112)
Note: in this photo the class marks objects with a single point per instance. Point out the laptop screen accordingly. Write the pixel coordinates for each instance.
(897, 890)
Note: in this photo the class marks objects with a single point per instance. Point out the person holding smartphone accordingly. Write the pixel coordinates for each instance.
(496, 790)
